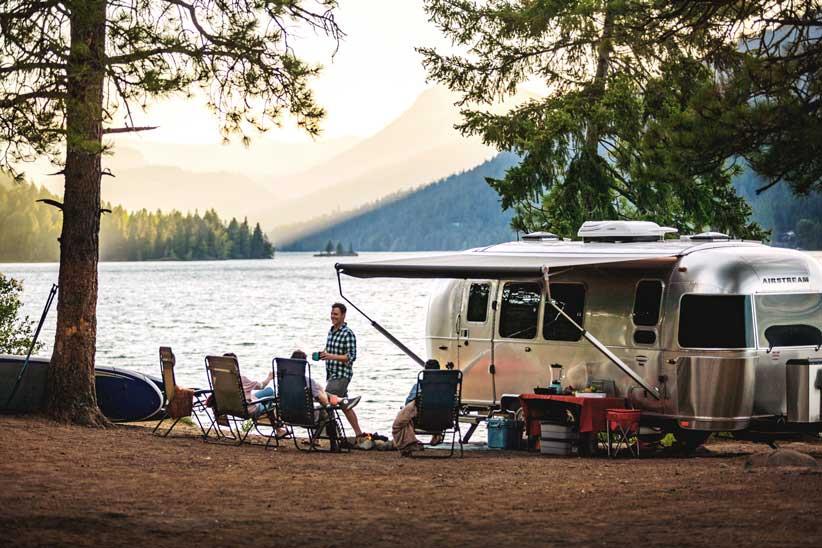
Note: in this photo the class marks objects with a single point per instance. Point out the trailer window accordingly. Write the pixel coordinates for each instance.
(478, 302)
(792, 319)
(647, 301)
(571, 298)
(520, 307)
(715, 321)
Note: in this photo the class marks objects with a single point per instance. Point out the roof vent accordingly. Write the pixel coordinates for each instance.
(623, 231)
(709, 236)
(540, 237)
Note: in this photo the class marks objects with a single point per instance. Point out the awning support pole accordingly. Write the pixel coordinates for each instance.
(380, 328)
(598, 345)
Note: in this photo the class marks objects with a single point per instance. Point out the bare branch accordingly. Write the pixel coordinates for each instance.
(129, 129)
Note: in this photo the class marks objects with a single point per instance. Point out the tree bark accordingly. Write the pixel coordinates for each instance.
(593, 200)
(71, 394)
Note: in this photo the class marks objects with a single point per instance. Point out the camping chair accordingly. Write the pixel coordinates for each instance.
(296, 407)
(439, 396)
(179, 402)
(623, 431)
(230, 404)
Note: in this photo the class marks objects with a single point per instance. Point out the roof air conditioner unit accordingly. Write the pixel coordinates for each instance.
(623, 231)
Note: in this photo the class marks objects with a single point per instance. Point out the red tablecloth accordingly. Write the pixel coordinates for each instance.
(590, 412)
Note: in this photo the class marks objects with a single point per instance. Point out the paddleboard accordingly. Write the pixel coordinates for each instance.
(123, 395)
(31, 393)
(126, 396)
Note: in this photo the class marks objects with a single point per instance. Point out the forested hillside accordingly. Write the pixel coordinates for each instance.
(29, 232)
(457, 212)
(462, 211)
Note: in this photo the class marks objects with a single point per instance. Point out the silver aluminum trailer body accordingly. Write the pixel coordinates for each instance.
(718, 388)
(724, 335)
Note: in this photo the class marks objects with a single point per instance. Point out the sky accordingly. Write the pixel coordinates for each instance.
(375, 76)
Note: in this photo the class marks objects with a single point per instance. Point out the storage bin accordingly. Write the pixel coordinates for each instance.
(557, 439)
(553, 431)
(565, 447)
(503, 433)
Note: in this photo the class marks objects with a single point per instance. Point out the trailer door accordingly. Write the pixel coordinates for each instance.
(476, 338)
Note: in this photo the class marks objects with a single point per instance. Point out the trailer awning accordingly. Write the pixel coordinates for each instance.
(481, 264)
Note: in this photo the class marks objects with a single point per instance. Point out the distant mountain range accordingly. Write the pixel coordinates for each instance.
(288, 187)
(418, 147)
(458, 212)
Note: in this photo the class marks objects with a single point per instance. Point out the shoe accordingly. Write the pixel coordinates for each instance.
(436, 439)
(349, 403)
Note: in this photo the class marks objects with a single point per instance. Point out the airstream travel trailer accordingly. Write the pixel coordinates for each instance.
(703, 333)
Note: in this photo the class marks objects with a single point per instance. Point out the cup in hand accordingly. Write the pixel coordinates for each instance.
(315, 356)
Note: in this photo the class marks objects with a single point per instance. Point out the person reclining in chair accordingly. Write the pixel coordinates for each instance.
(317, 391)
(405, 440)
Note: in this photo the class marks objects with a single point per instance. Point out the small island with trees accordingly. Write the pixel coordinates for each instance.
(337, 251)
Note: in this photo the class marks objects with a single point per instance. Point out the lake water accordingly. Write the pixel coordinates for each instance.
(256, 309)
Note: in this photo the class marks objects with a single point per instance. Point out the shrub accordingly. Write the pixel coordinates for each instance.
(16, 333)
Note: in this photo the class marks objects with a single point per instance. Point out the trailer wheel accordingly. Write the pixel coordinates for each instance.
(689, 440)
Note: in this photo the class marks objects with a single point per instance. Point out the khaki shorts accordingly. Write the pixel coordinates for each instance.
(338, 387)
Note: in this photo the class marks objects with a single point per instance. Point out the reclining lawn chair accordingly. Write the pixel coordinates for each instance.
(296, 407)
(439, 397)
(231, 406)
(179, 402)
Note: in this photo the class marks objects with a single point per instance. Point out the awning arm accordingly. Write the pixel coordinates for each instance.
(380, 328)
(597, 344)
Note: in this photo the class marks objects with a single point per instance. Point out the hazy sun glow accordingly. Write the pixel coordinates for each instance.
(374, 76)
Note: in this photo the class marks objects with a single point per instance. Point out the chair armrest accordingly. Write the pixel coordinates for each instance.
(202, 391)
(262, 400)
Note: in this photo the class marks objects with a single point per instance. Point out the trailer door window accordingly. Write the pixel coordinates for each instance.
(647, 300)
(571, 298)
(792, 319)
(478, 303)
(519, 311)
(716, 321)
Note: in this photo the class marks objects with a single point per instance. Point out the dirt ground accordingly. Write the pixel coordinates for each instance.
(65, 485)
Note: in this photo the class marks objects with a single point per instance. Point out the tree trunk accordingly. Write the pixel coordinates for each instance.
(597, 201)
(71, 391)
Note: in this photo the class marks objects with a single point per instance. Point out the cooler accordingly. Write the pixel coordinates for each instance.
(503, 433)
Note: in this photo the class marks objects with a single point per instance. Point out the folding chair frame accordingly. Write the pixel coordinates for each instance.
(454, 429)
(312, 417)
(236, 417)
(620, 437)
(167, 363)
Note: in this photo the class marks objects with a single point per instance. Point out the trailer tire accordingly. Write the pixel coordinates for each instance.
(689, 440)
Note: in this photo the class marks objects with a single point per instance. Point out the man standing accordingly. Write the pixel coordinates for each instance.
(339, 355)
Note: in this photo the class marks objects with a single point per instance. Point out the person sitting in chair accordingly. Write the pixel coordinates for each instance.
(317, 391)
(405, 440)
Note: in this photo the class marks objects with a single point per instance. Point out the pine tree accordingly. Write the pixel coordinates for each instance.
(598, 145)
(61, 62)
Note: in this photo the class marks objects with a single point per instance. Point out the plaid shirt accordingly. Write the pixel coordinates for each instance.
(341, 341)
